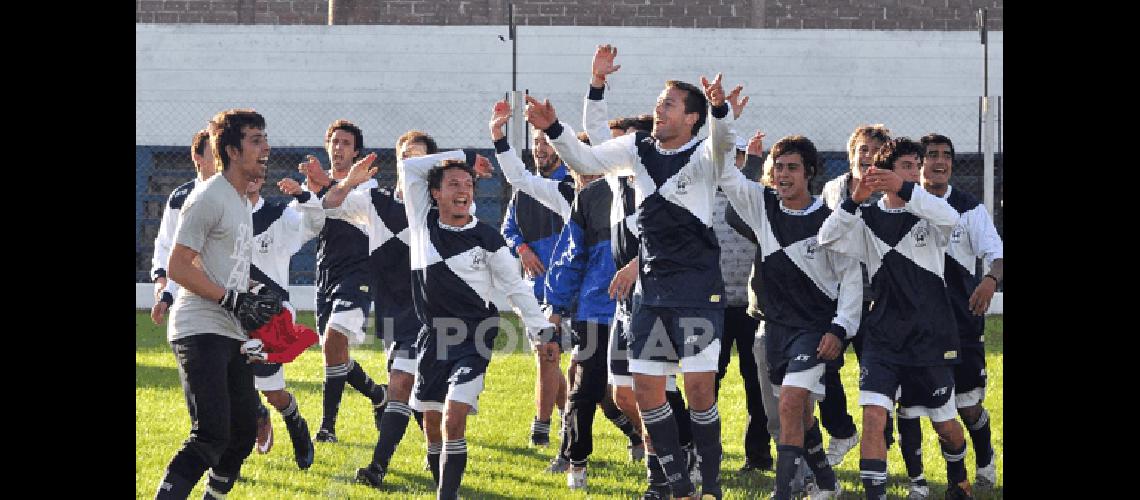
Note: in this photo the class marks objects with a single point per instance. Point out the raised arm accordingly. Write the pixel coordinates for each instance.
(360, 172)
(721, 140)
(540, 188)
(618, 156)
(844, 231)
(413, 181)
(595, 111)
(746, 196)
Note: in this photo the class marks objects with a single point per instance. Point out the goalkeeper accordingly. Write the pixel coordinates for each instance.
(213, 310)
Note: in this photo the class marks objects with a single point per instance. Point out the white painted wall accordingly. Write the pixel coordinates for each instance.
(443, 79)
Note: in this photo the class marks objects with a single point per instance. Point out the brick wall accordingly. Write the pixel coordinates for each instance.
(791, 14)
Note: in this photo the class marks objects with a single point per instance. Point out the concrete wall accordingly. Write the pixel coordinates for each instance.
(798, 14)
(443, 79)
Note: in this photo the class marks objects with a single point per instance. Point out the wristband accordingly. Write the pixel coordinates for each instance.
(991, 277)
(521, 247)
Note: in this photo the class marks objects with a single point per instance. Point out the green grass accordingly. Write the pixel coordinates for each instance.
(500, 463)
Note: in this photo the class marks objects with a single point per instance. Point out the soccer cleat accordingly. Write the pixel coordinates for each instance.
(959, 491)
(636, 452)
(918, 491)
(820, 494)
(803, 480)
(986, 478)
(838, 448)
(757, 465)
(302, 446)
(657, 492)
(558, 465)
(264, 435)
(372, 476)
(324, 436)
(576, 479)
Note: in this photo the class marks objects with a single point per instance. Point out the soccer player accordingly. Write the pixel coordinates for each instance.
(381, 212)
(810, 298)
(973, 237)
(682, 290)
(343, 295)
(531, 228)
(164, 289)
(456, 260)
(210, 260)
(279, 231)
(864, 142)
(912, 339)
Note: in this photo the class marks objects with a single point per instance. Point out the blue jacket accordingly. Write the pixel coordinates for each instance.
(530, 222)
(583, 263)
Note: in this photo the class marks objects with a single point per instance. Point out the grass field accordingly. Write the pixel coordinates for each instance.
(500, 464)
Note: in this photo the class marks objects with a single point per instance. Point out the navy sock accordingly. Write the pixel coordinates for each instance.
(362, 382)
(980, 435)
(874, 475)
(655, 474)
(452, 465)
(662, 427)
(433, 452)
(334, 390)
(290, 413)
(706, 438)
(217, 486)
(817, 458)
(684, 425)
(910, 443)
(955, 463)
(787, 461)
(174, 486)
(393, 423)
(615, 415)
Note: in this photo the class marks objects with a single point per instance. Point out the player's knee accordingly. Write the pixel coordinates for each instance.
(874, 420)
(791, 406)
(949, 431)
(279, 398)
(454, 426)
(400, 386)
(970, 414)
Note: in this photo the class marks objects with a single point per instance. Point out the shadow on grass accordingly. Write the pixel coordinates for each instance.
(160, 377)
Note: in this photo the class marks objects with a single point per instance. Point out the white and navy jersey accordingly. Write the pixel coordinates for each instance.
(625, 239)
(802, 285)
(386, 220)
(675, 190)
(834, 192)
(975, 236)
(279, 231)
(455, 268)
(910, 322)
(167, 227)
(595, 117)
(342, 252)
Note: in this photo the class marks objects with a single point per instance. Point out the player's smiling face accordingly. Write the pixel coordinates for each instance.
(253, 159)
(669, 118)
(544, 156)
(454, 196)
(865, 150)
(342, 150)
(937, 166)
(908, 167)
(790, 179)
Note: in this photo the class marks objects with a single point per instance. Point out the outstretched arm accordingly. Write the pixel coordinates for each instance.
(616, 156)
(595, 111)
(540, 188)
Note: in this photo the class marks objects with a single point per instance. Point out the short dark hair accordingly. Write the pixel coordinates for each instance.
(893, 149)
(435, 175)
(347, 126)
(802, 145)
(584, 137)
(643, 123)
(933, 138)
(198, 143)
(421, 137)
(695, 101)
(226, 130)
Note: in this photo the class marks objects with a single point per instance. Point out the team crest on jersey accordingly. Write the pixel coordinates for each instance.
(956, 236)
(920, 232)
(478, 260)
(862, 374)
(265, 243)
(683, 181)
(811, 248)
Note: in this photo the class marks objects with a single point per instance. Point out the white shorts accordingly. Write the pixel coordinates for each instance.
(704, 361)
(351, 323)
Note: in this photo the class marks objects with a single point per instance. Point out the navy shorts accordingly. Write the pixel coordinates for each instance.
(346, 309)
(923, 391)
(663, 337)
(451, 372)
(792, 358)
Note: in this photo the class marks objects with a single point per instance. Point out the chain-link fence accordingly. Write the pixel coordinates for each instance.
(296, 129)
